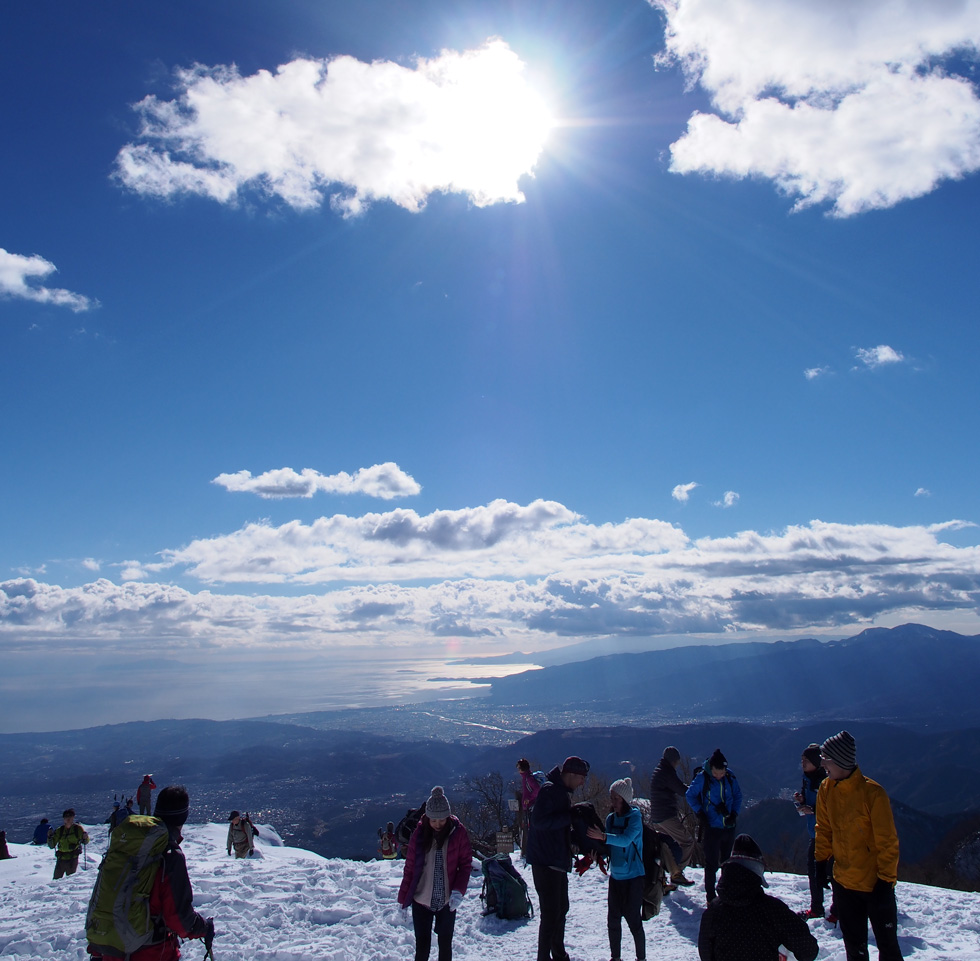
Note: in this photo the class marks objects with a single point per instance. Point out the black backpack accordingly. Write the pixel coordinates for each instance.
(407, 825)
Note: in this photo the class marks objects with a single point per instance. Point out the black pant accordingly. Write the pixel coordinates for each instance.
(856, 908)
(626, 901)
(819, 874)
(717, 845)
(422, 921)
(552, 888)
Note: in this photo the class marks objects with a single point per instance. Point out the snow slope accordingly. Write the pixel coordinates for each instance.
(287, 904)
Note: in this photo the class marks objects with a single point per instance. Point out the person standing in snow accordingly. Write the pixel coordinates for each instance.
(716, 798)
(118, 815)
(387, 842)
(665, 789)
(744, 923)
(67, 842)
(806, 804)
(171, 900)
(549, 852)
(144, 794)
(855, 826)
(240, 835)
(627, 878)
(438, 864)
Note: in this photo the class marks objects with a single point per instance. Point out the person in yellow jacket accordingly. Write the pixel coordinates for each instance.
(855, 826)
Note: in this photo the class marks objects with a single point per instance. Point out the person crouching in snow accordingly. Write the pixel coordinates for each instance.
(624, 837)
(438, 864)
(744, 921)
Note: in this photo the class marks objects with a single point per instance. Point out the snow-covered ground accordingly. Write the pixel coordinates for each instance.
(287, 904)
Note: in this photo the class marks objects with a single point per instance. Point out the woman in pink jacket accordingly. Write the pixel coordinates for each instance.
(438, 865)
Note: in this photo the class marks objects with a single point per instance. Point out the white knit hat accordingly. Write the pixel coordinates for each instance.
(624, 788)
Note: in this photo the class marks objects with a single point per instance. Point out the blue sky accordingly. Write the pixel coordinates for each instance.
(401, 330)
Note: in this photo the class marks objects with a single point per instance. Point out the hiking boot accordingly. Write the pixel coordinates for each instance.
(669, 886)
(832, 919)
(678, 880)
(811, 913)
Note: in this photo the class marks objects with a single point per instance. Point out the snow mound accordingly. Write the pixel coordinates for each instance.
(287, 904)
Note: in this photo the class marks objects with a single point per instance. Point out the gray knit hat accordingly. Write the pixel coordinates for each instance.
(624, 788)
(841, 749)
(438, 804)
(747, 853)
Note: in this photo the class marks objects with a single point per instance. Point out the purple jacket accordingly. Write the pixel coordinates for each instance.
(459, 861)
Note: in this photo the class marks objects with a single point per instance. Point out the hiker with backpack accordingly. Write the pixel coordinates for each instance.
(716, 799)
(666, 787)
(627, 876)
(530, 786)
(144, 870)
(806, 805)
(438, 864)
(549, 852)
(144, 793)
(41, 832)
(118, 815)
(240, 835)
(68, 842)
(855, 826)
(744, 922)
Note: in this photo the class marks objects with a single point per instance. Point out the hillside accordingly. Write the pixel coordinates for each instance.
(910, 675)
(288, 904)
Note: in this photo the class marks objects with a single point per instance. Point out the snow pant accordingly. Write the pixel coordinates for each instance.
(444, 923)
(680, 845)
(717, 845)
(65, 866)
(242, 849)
(818, 873)
(626, 901)
(552, 889)
(855, 909)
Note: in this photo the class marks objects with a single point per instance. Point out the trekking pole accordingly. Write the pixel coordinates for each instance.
(84, 856)
(209, 941)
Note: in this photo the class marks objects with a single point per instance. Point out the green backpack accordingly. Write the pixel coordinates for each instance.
(119, 910)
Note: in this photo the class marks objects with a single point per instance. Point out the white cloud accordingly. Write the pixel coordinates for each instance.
(923, 492)
(682, 492)
(610, 579)
(356, 132)
(878, 356)
(17, 272)
(849, 104)
(730, 499)
(386, 481)
(91, 564)
(812, 373)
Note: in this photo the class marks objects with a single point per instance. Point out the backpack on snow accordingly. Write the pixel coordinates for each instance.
(119, 910)
(504, 890)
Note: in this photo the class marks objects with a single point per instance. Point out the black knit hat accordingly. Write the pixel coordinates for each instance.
(172, 805)
(841, 749)
(812, 753)
(671, 754)
(748, 854)
(718, 760)
(575, 765)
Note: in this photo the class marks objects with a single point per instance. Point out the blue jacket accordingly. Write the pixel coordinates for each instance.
(549, 833)
(624, 837)
(723, 797)
(809, 792)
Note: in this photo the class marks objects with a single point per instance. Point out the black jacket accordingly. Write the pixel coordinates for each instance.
(665, 788)
(549, 834)
(745, 924)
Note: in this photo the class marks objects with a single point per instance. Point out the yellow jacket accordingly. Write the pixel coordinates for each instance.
(855, 825)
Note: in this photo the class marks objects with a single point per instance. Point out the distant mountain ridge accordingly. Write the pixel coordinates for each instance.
(904, 674)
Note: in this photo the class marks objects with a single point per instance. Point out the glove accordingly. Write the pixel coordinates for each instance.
(882, 888)
(455, 900)
(729, 820)
(209, 934)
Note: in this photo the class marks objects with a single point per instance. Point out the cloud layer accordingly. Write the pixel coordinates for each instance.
(356, 132)
(852, 104)
(17, 273)
(386, 481)
(505, 571)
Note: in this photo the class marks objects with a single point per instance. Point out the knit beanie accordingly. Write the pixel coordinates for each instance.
(437, 806)
(841, 749)
(172, 805)
(575, 765)
(624, 788)
(718, 760)
(812, 753)
(671, 754)
(747, 853)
